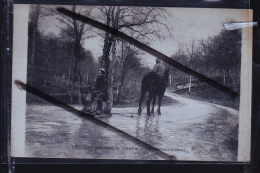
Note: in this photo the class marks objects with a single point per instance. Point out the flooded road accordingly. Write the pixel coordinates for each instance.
(188, 130)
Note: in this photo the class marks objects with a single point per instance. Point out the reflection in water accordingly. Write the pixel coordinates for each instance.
(152, 134)
(66, 136)
(55, 133)
(220, 136)
(149, 132)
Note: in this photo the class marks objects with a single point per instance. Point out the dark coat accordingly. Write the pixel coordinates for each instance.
(101, 85)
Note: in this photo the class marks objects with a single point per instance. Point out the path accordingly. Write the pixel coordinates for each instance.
(189, 130)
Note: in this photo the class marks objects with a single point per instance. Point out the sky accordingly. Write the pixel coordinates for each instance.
(185, 24)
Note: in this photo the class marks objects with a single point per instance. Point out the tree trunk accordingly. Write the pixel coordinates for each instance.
(120, 88)
(105, 62)
(44, 82)
(110, 46)
(224, 79)
(87, 79)
(112, 76)
(69, 77)
(35, 28)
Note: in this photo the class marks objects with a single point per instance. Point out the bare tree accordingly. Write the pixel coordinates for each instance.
(225, 52)
(191, 50)
(77, 32)
(217, 57)
(127, 61)
(142, 23)
(204, 44)
(34, 19)
(33, 29)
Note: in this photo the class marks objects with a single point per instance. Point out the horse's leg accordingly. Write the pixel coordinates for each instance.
(159, 105)
(154, 100)
(140, 102)
(148, 103)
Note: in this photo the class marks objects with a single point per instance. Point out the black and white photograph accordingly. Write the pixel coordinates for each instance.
(128, 103)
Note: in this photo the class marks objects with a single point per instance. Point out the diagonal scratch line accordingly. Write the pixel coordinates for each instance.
(147, 49)
(91, 118)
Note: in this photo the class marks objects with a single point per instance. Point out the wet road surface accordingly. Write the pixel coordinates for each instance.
(189, 130)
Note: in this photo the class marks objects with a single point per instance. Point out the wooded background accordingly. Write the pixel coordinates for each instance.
(60, 64)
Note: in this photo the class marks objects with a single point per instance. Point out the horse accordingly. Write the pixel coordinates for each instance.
(155, 89)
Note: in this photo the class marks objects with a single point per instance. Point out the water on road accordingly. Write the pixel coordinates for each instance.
(188, 130)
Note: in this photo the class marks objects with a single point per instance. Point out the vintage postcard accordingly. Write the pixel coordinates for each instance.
(131, 83)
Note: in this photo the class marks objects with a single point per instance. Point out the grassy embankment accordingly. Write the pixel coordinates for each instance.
(208, 94)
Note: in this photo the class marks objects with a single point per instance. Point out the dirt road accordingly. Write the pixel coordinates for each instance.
(189, 130)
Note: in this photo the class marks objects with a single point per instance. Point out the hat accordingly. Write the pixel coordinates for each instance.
(102, 70)
(158, 60)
